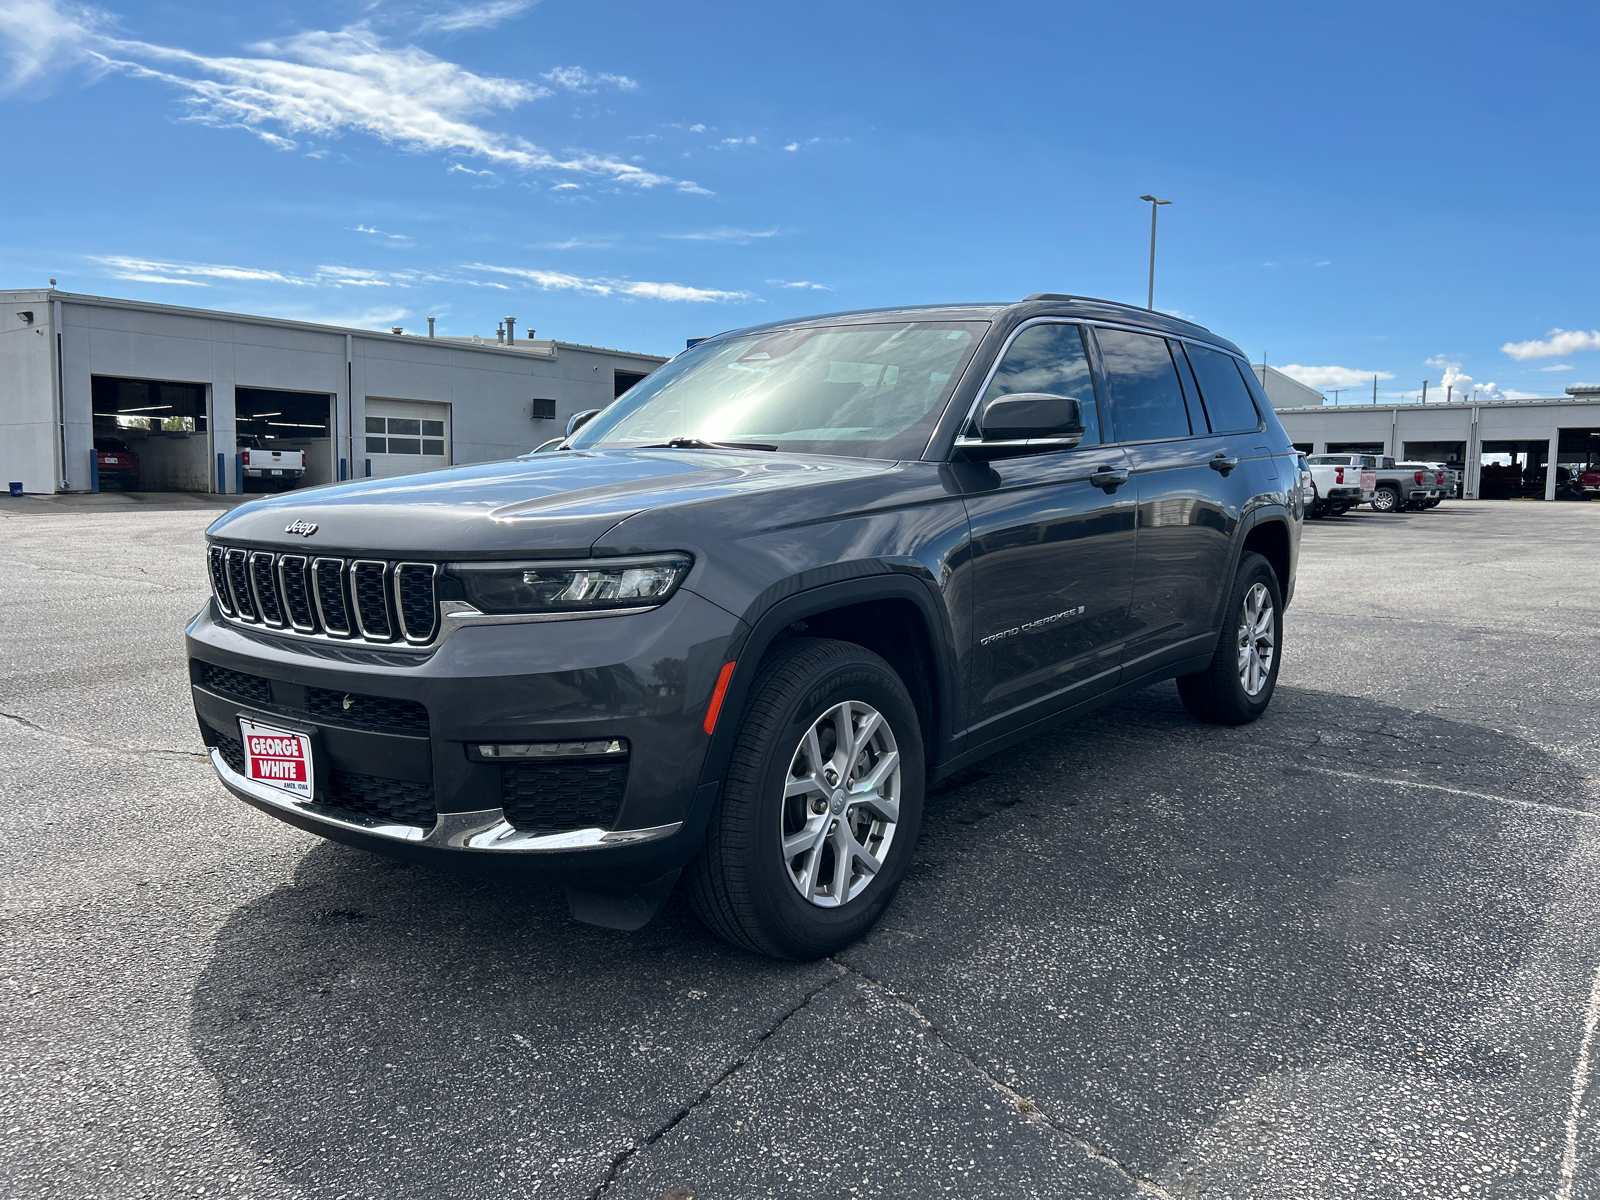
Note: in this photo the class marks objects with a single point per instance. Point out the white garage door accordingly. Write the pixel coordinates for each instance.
(406, 436)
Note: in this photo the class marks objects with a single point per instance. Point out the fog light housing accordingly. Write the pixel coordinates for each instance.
(525, 750)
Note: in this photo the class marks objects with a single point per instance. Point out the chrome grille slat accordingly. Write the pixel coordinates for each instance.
(414, 601)
(216, 560)
(264, 589)
(298, 605)
(369, 581)
(333, 605)
(239, 585)
(354, 600)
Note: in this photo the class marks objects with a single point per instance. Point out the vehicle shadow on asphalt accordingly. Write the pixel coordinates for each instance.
(1133, 920)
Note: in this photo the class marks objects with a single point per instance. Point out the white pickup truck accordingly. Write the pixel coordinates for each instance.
(1340, 482)
(272, 466)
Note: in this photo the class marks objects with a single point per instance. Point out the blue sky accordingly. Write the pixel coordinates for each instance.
(1397, 189)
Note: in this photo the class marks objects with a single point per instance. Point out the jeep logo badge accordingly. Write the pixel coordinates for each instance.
(303, 528)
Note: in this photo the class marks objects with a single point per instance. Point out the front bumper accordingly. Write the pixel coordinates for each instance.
(395, 737)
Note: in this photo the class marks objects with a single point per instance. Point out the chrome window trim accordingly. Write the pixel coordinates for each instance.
(332, 634)
(383, 590)
(485, 830)
(253, 617)
(305, 582)
(255, 588)
(399, 608)
(1094, 323)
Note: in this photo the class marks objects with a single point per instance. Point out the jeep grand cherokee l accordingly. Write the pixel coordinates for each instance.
(739, 621)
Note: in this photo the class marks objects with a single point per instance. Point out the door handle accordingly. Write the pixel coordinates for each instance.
(1109, 478)
(1222, 463)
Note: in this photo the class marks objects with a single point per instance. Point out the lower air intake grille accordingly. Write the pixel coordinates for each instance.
(231, 749)
(374, 712)
(553, 797)
(386, 799)
(235, 683)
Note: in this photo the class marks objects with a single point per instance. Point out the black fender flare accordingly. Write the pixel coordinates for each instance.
(804, 595)
(1262, 514)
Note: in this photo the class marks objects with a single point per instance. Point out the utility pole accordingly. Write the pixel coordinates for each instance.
(1374, 389)
(1336, 392)
(1150, 298)
(1424, 391)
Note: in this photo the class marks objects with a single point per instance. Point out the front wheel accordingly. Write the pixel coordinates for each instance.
(814, 828)
(1237, 685)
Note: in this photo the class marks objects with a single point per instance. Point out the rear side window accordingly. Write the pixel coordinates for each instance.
(1223, 390)
(1146, 398)
(1050, 358)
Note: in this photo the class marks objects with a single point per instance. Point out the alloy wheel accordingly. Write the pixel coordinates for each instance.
(841, 804)
(1258, 639)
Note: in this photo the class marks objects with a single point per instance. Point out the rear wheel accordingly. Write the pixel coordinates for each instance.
(814, 828)
(1387, 500)
(1237, 685)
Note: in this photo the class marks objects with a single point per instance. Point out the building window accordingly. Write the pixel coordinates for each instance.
(431, 440)
(544, 410)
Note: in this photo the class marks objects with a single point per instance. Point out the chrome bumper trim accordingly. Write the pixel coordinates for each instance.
(485, 830)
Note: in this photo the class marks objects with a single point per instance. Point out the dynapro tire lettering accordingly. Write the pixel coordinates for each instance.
(1032, 626)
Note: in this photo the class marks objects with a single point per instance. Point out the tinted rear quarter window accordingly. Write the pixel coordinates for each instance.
(1050, 358)
(1146, 398)
(1223, 389)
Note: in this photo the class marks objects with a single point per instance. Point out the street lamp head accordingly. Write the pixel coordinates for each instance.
(1153, 200)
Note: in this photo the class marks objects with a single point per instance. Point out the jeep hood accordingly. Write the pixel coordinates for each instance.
(555, 504)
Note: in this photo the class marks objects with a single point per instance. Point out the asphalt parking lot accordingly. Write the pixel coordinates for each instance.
(1351, 950)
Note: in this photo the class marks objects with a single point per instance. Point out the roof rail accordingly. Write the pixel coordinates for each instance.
(1113, 303)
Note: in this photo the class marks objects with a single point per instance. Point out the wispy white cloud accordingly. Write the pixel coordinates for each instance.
(577, 244)
(473, 16)
(146, 270)
(734, 142)
(801, 283)
(1558, 367)
(318, 83)
(460, 168)
(562, 281)
(576, 79)
(1331, 377)
(1556, 343)
(737, 236)
(391, 237)
(792, 146)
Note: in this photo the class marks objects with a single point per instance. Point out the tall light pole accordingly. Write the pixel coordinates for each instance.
(1150, 300)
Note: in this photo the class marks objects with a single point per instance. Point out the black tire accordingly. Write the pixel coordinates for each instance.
(1217, 695)
(1387, 500)
(739, 883)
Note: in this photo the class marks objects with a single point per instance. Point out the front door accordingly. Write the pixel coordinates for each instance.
(1189, 510)
(1053, 550)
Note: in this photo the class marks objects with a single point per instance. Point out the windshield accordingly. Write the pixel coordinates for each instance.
(869, 391)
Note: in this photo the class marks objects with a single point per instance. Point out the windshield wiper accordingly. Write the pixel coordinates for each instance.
(694, 443)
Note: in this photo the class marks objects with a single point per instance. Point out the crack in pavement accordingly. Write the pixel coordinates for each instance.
(619, 1163)
(1027, 1109)
(193, 755)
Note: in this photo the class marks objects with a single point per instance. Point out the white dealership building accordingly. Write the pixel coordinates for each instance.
(1509, 448)
(186, 388)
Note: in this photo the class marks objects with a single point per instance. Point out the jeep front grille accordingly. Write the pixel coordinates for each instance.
(360, 600)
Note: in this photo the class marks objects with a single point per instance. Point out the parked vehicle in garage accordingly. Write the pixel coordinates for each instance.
(1341, 485)
(117, 465)
(736, 626)
(271, 466)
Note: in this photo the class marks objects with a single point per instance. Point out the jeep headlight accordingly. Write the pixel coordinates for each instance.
(593, 585)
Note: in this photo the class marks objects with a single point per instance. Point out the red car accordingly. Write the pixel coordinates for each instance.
(118, 464)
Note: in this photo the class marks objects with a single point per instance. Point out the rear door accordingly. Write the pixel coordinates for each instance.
(1053, 549)
(1188, 510)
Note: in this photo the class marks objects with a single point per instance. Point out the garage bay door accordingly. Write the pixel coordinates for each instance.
(406, 436)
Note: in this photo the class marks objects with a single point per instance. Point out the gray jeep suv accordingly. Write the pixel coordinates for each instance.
(736, 624)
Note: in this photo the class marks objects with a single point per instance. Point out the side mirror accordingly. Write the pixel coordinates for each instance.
(578, 420)
(1025, 423)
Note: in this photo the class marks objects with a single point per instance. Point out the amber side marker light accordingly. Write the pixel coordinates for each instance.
(717, 694)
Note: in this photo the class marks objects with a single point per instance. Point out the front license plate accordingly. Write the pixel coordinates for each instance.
(279, 758)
